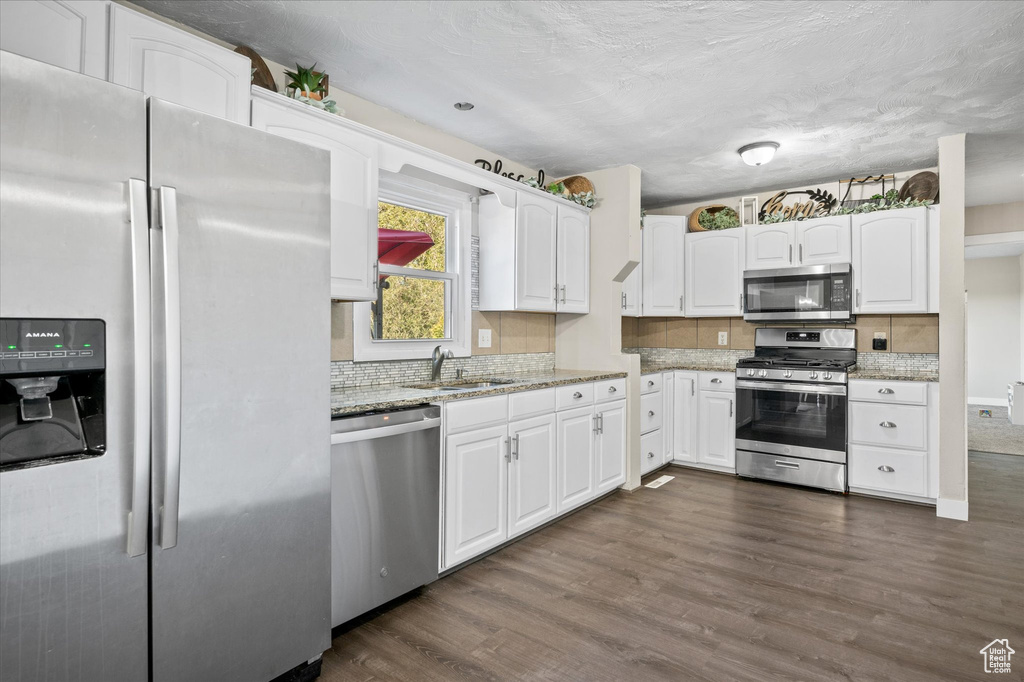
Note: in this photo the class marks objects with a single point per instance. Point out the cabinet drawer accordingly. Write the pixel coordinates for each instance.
(717, 381)
(531, 403)
(652, 451)
(465, 415)
(649, 383)
(651, 406)
(574, 395)
(896, 471)
(898, 426)
(904, 392)
(610, 389)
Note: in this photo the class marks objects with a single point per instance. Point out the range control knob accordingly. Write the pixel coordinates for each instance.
(762, 373)
(787, 374)
(828, 376)
(750, 372)
(813, 375)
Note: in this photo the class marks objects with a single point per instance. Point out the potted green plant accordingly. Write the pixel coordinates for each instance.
(307, 82)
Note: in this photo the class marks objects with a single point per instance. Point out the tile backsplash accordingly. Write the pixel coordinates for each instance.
(348, 374)
(690, 356)
(899, 363)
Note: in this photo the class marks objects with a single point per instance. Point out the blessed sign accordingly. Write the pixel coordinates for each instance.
(818, 203)
(496, 168)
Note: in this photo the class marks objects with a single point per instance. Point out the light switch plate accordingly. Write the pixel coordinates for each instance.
(723, 338)
(484, 338)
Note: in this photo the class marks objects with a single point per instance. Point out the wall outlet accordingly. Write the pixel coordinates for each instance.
(723, 338)
(483, 338)
(879, 342)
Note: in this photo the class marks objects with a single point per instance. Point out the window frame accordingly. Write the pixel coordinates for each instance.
(457, 208)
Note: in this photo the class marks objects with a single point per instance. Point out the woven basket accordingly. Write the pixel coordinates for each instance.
(577, 184)
(694, 223)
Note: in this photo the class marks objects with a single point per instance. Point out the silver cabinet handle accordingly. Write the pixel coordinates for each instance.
(887, 425)
(650, 413)
(612, 389)
(623, 300)
(508, 449)
(577, 395)
(650, 383)
(138, 516)
(730, 408)
(716, 380)
(650, 455)
(680, 302)
(693, 388)
(515, 446)
(886, 391)
(801, 253)
(600, 418)
(790, 253)
(597, 429)
(858, 298)
(886, 468)
(786, 465)
(741, 301)
(563, 293)
(170, 409)
(376, 275)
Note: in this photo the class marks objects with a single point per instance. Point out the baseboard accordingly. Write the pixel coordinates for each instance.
(951, 509)
(706, 467)
(992, 402)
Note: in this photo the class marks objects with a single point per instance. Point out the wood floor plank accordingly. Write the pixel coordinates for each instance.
(715, 578)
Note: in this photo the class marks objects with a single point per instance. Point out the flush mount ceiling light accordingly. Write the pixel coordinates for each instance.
(758, 153)
(463, 106)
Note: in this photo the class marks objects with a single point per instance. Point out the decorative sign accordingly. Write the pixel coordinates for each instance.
(819, 203)
(496, 168)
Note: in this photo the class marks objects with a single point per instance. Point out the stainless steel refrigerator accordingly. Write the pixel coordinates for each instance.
(164, 389)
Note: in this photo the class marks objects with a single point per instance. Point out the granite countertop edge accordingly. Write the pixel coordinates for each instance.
(396, 396)
(884, 375)
(685, 367)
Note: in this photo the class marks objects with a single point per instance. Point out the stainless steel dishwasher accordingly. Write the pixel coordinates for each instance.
(385, 487)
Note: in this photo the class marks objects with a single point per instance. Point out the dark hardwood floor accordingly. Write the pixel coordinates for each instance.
(714, 578)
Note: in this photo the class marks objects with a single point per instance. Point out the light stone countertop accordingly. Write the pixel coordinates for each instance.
(390, 396)
(892, 375)
(655, 367)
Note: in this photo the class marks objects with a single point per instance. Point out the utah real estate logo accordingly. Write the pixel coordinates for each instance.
(997, 656)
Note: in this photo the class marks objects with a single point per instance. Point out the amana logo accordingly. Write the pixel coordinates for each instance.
(36, 335)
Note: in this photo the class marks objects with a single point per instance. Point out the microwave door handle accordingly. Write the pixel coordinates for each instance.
(171, 398)
(138, 514)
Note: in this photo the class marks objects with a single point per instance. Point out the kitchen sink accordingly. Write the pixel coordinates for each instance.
(465, 385)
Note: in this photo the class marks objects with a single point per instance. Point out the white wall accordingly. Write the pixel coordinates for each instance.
(993, 327)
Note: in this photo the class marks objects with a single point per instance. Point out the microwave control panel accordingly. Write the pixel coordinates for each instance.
(841, 292)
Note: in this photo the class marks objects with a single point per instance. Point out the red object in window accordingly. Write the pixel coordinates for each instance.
(400, 247)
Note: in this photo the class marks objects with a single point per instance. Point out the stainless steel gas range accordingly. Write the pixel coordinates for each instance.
(791, 406)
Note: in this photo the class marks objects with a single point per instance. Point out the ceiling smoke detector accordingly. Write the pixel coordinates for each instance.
(757, 153)
(463, 106)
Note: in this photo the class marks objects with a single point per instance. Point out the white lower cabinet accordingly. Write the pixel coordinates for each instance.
(531, 480)
(716, 430)
(503, 478)
(893, 439)
(651, 448)
(683, 447)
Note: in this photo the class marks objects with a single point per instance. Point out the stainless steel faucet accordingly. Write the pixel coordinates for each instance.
(437, 358)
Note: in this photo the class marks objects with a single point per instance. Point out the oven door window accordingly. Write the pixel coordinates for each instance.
(788, 294)
(795, 418)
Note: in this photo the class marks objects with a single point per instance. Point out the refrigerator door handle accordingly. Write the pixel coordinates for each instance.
(172, 380)
(138, 514)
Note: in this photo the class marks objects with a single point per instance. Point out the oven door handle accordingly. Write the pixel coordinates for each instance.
(786, 387)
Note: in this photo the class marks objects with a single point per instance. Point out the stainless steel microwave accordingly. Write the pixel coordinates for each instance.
(814, 292)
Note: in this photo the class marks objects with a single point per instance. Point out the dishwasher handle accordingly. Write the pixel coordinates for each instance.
(385, 431)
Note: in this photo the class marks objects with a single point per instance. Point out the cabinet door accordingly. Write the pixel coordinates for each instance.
(683, 446)
(714, 273)
(717, 430)
(71, 35)
(575, 457)
(610, 454)
(354, 161)
(536, 220)
(531, 483)
(890, 261)
(823, 240)
(573, 260)
(476, 485)
(662, 278)
(770, 246)
(631, 293)
(148, 55)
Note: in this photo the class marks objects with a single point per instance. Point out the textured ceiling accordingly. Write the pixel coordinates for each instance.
(673, 87)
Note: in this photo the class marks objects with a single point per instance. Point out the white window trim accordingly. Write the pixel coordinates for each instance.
(458, 210)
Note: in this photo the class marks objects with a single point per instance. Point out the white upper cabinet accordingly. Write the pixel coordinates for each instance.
(536, 225)
(531, 482)
(148, 55)
(662, 278)
(890, 261)
(573, 260)
(354, 175)
(714, 273)
(631, 293)
(683, 446)
(823, 240)
(71, 35)
(610, 454)
(769, 246)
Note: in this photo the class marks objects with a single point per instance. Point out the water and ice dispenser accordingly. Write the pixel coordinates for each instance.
(52, 389)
